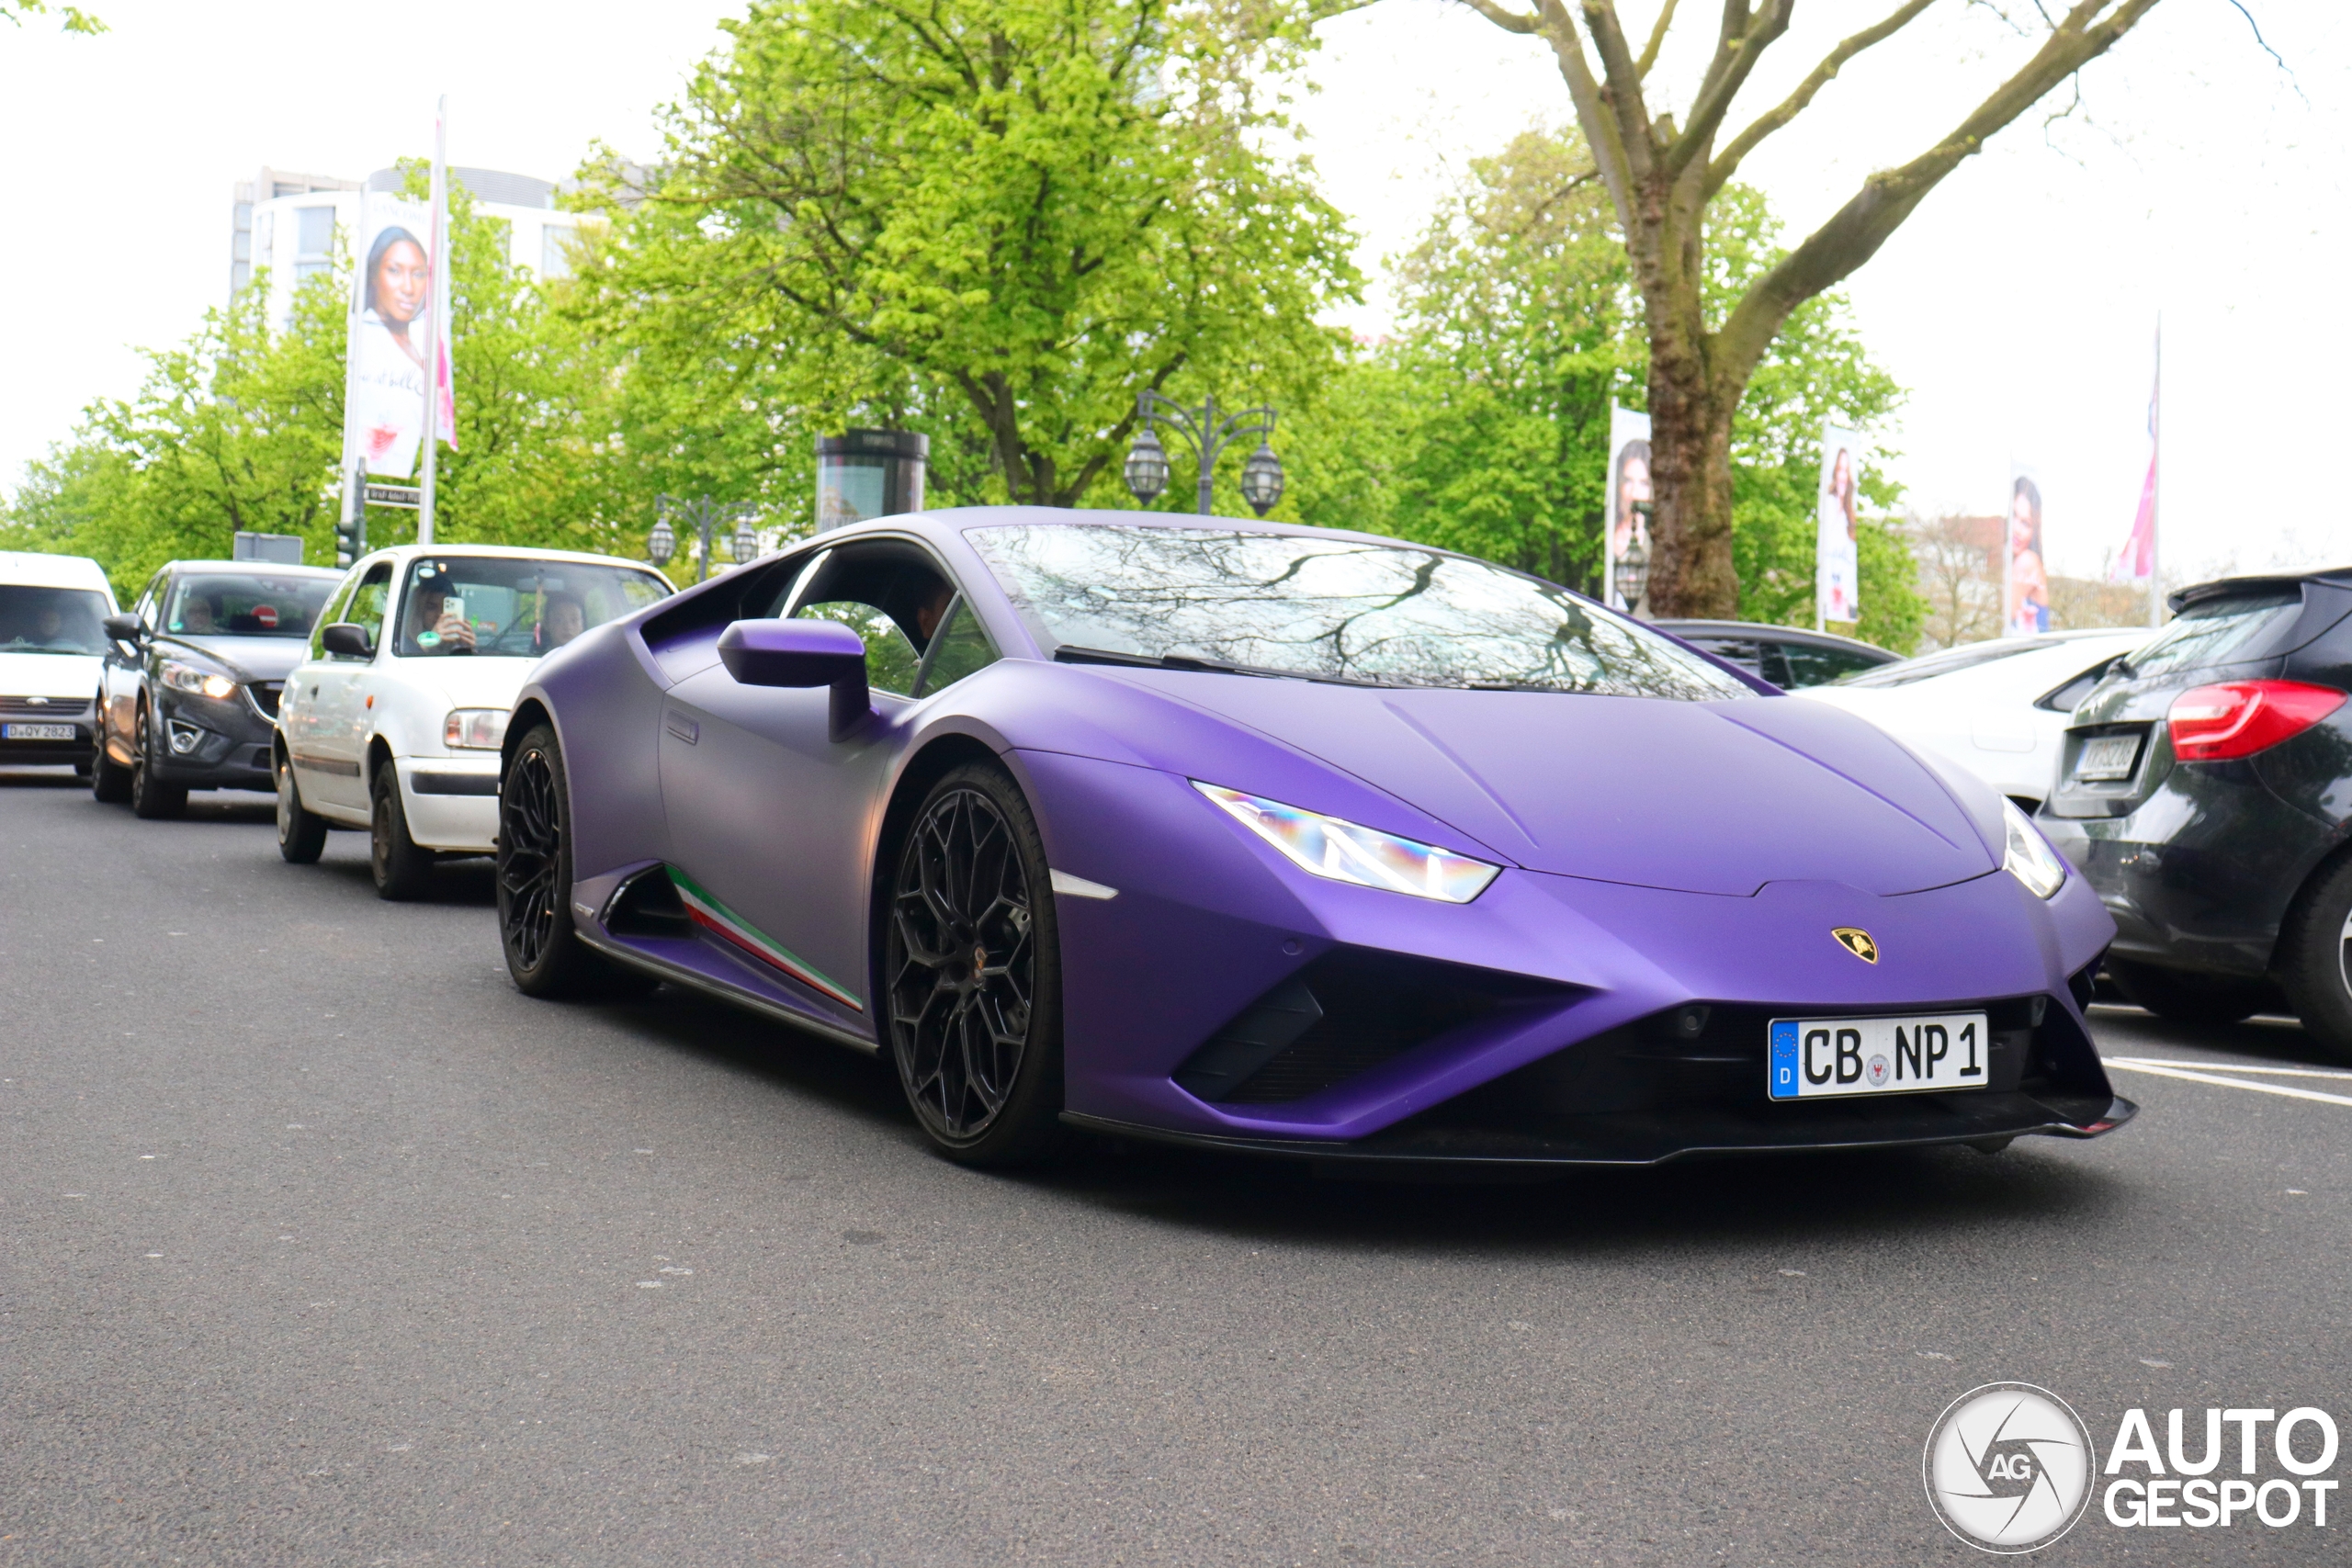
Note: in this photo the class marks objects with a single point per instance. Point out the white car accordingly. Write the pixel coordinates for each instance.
(52, 647)
(1998, 709)
(394, 721)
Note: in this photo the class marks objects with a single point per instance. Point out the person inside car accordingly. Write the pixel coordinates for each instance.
(196, 617)
(565, 618)
(431, 625)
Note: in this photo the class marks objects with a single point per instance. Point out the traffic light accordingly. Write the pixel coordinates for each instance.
(351, 530)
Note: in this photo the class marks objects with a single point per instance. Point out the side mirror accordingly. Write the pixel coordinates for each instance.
(347, 639)
(801, 653)
(125, 628)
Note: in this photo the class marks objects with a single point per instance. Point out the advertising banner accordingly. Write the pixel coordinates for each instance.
(2137, 563)
(395, 295)
(1837, 572)
(1629, 502)
(2025, 584)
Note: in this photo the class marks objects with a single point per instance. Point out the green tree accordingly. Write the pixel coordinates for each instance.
(993, 220)
(1668, 174)
(72, 18)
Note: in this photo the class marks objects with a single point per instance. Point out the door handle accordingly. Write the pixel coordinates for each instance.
(682, 727)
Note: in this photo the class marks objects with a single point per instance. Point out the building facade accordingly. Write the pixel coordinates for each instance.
(287, 225)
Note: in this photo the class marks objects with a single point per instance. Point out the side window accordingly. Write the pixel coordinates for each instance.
(891, 661)
(1819, 666)
(367, 608)
(960, 648)
(1732, 651)
(149, 598)
(329, 617)
(1773, 663)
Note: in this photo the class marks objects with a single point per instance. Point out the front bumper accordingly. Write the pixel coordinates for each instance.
(53, 711)
(1528, 1026)
(451, 802)
(208, 743)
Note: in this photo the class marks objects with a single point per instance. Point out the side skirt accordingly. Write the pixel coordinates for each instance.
(679, 975)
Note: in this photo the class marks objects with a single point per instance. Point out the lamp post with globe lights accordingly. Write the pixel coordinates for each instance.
(1148, 467)
(700, 515)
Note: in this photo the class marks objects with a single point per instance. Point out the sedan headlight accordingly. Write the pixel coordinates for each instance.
(211, 684)
(1343, 851)
(2029, 858)
(474, 729)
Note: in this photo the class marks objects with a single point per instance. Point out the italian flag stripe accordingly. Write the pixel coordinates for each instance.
(706, 911)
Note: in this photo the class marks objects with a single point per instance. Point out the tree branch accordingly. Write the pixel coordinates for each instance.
(1728, 161)
(1657, 39)
(1740, 44)
(1853, 234)
(1509, 21)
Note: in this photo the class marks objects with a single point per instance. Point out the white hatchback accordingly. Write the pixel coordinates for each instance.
(1998, 709)
(394, 721)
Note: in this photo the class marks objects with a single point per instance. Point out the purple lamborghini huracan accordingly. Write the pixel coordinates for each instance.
(1285, 840)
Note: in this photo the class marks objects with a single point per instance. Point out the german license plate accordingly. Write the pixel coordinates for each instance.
(2105, 757)
(1819, 1059)
(36, 732)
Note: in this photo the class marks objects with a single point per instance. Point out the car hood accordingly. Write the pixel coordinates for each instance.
(254, 658)
(1703, 797)
(73, 675)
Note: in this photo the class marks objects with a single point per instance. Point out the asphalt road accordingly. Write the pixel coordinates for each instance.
(321, 1244)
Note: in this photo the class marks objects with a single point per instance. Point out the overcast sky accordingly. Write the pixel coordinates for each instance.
(2019, 305)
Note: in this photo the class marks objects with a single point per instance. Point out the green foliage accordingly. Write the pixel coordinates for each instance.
(989, 221)
(72, 19)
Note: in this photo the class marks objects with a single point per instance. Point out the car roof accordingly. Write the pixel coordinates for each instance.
(2247, 587)
(1764, 631)
(264, 567)
(510, 552)
(33, 568)
(1987, 650)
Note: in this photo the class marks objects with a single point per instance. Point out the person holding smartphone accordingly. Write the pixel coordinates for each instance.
(436, 618)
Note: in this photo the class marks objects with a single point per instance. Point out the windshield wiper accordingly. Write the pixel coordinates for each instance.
(1070, 653)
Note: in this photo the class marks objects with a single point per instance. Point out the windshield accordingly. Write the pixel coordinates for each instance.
(513, 607)
(51, 620)
(1334, 609)
(245, 604)
(2212, 633)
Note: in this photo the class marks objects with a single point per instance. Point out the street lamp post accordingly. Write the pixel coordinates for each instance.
(699, 515)
(1148, 467)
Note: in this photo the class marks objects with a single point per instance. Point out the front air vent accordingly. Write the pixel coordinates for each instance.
(647, 905)
(1347, 1012)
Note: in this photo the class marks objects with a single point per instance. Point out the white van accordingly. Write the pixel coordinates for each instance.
(53, 644)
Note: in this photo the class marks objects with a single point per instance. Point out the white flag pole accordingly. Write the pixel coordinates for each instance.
(440, 296)
(2156, 487)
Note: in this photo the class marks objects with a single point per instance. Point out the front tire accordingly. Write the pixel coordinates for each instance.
(301, 833)
(151, 800)
(403, 869)
(2184, 998)
(544, 952)
(2315, 959)
(972, 970)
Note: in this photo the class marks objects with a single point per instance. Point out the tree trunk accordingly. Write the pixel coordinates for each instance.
(1691, 572)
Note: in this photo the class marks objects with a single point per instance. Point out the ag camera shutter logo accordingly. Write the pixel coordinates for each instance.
(2008, 1467)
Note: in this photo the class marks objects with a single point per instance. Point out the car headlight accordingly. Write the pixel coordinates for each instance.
(211, 684)
(474, 729)
(1343, 851)
(2029, 858)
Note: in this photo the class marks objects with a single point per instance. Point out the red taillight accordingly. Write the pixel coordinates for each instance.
(2237, 718)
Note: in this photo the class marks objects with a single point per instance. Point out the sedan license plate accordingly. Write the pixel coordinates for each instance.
(36, 732)
(1817, 1059)
(2107, 757)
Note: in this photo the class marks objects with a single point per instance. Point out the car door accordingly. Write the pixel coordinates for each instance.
(329, 738)
(119, 678)
(772, 820)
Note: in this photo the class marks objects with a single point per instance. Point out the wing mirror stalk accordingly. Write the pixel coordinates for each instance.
(802, 653)
(347, 639)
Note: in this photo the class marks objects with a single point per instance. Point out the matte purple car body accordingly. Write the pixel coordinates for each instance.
(1655, 854)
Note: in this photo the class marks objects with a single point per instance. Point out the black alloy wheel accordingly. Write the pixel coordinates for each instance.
(301, 832)
(109, 780)
(2315, 958)
(544, 952)
(151, 797)
(402, 869)
(972, 964)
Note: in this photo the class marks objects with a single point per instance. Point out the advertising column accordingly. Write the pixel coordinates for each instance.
(1837, 572)
(1627, 537)
(2025, 584)
(395, 297)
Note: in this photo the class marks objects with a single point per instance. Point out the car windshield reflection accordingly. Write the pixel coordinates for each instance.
(501, 606)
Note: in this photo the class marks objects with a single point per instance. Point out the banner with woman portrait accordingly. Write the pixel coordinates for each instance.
(1837, 564)
(1628, 532)
(395, 293)
(2025, 579)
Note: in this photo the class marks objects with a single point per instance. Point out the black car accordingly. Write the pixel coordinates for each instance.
(188, 695)
(2205, 790)
(1788, 657)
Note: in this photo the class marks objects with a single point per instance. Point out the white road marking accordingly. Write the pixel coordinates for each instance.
(2232, 1066)
(2215, 1078)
